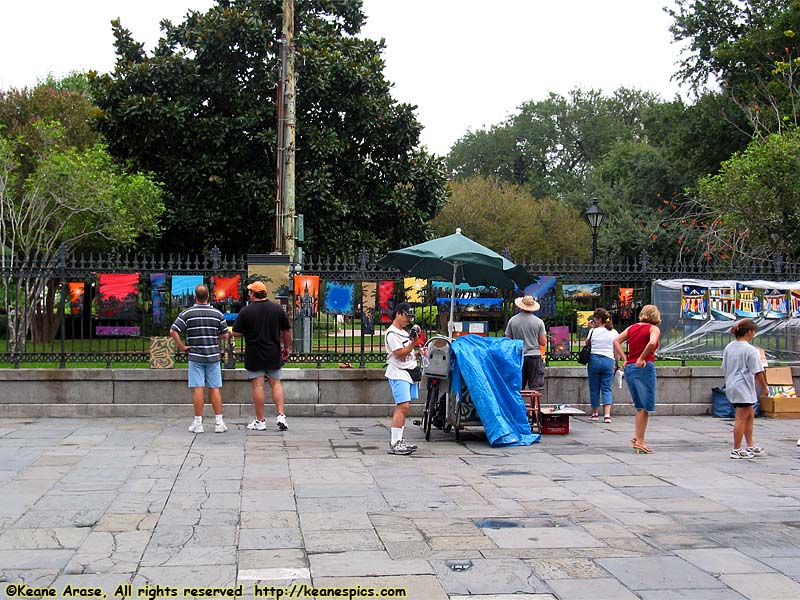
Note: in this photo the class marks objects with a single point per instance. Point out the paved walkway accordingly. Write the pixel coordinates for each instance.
(104, 502)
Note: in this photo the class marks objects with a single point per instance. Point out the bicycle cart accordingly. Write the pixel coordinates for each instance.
(436, 374)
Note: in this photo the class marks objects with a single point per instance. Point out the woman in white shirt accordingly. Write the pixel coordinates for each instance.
(602, 364)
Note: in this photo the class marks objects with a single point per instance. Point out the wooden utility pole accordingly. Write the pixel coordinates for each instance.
(285, 172)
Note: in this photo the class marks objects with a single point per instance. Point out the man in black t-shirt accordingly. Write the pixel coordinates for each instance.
(268, 337)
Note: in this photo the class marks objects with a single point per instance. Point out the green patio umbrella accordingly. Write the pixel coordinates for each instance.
(460, 259)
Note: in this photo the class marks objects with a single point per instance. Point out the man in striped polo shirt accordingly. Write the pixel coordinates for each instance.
(204, 326)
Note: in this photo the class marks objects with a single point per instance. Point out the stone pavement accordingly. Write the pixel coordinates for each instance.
(103, 502)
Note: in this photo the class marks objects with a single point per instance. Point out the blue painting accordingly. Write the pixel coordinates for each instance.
(158, 294)
(183, 289)
(339, 298)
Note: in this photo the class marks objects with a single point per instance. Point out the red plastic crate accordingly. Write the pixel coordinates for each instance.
(555, 424)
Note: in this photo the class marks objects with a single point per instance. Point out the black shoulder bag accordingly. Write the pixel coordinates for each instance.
(586, 351)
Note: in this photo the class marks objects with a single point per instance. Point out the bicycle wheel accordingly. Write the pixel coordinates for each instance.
(430, 408)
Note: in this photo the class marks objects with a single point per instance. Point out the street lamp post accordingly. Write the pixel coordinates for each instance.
(594, 217)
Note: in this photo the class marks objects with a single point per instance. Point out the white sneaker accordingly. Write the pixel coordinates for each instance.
(280, 421)
(741, 453)
(220, 428)
(399, 447)
(196, 428)
(256, 425)
(757, 451)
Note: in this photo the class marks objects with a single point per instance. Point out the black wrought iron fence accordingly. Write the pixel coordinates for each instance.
(104, 310)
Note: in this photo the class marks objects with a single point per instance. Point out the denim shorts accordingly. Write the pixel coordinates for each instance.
(276, 375)
(403, 391)
(205, 374)
(642, 385)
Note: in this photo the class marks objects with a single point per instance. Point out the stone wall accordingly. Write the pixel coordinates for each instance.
(309, 392)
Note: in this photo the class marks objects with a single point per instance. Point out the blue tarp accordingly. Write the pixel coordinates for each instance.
(491, 368)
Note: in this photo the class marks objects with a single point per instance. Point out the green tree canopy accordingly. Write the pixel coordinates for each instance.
(504, 216)
(753, 203)
(200, 112)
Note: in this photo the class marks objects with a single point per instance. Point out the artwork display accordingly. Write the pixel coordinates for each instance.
(118, 296)
(275, 277)
(415, 289)
(776, 304)
(76, 289)
(369, 297)
(158, 295)
(721, 303)
(306, 295)
(582, 320)
(162, 352)
(339, 298)
(117, 330)
(386, 300)
(748, 302)
(560, 344)
(794, 303)
(183, 289)
(544, 290)
(578, 291)
(227, 296)
(693, 303)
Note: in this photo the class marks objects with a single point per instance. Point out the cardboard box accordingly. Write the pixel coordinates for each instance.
(782, 402)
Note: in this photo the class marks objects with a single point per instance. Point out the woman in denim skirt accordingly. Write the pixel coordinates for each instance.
(640, 369)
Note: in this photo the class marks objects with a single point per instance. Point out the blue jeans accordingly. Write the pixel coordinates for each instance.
(642, 385)
(205, 374)
(601, 374)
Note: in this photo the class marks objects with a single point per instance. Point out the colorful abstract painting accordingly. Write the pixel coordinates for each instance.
(693, 303)
(722, 303)
(162, 352)
(76, 289)
(794, 303)
(386, 300)
(118, 295)
(339, 298)
(414, 289)
(158, 295)
(227, 288)
(748, 301)
(183, 289)
(306, 295)
(582, 320)
(776, 304)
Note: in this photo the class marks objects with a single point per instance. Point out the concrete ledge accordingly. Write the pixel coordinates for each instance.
(309, 392)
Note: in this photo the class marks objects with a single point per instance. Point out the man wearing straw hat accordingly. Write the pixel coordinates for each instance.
(529, 328)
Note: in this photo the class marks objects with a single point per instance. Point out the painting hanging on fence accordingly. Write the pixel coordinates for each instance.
(226, 295)
(162, 352)
(415, 289)
(386, 300)
(369, 295)
(306, 295)
(158, 295)
(275, 277)
(582, 321)
(693, 303)
(578, 291)
(722, 303)
(117, 330)
(748, 301)
(560, 344)
(183, 289)
(76, 289)
(544, 290)
(339, 298)
(626, 303)
(776, 305)
(118, 295)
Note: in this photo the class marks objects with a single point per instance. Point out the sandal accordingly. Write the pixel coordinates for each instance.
(642, 448)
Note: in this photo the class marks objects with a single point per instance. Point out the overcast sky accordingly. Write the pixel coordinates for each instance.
(466, 64)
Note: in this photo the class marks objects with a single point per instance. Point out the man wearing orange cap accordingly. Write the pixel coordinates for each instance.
(268, 342)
